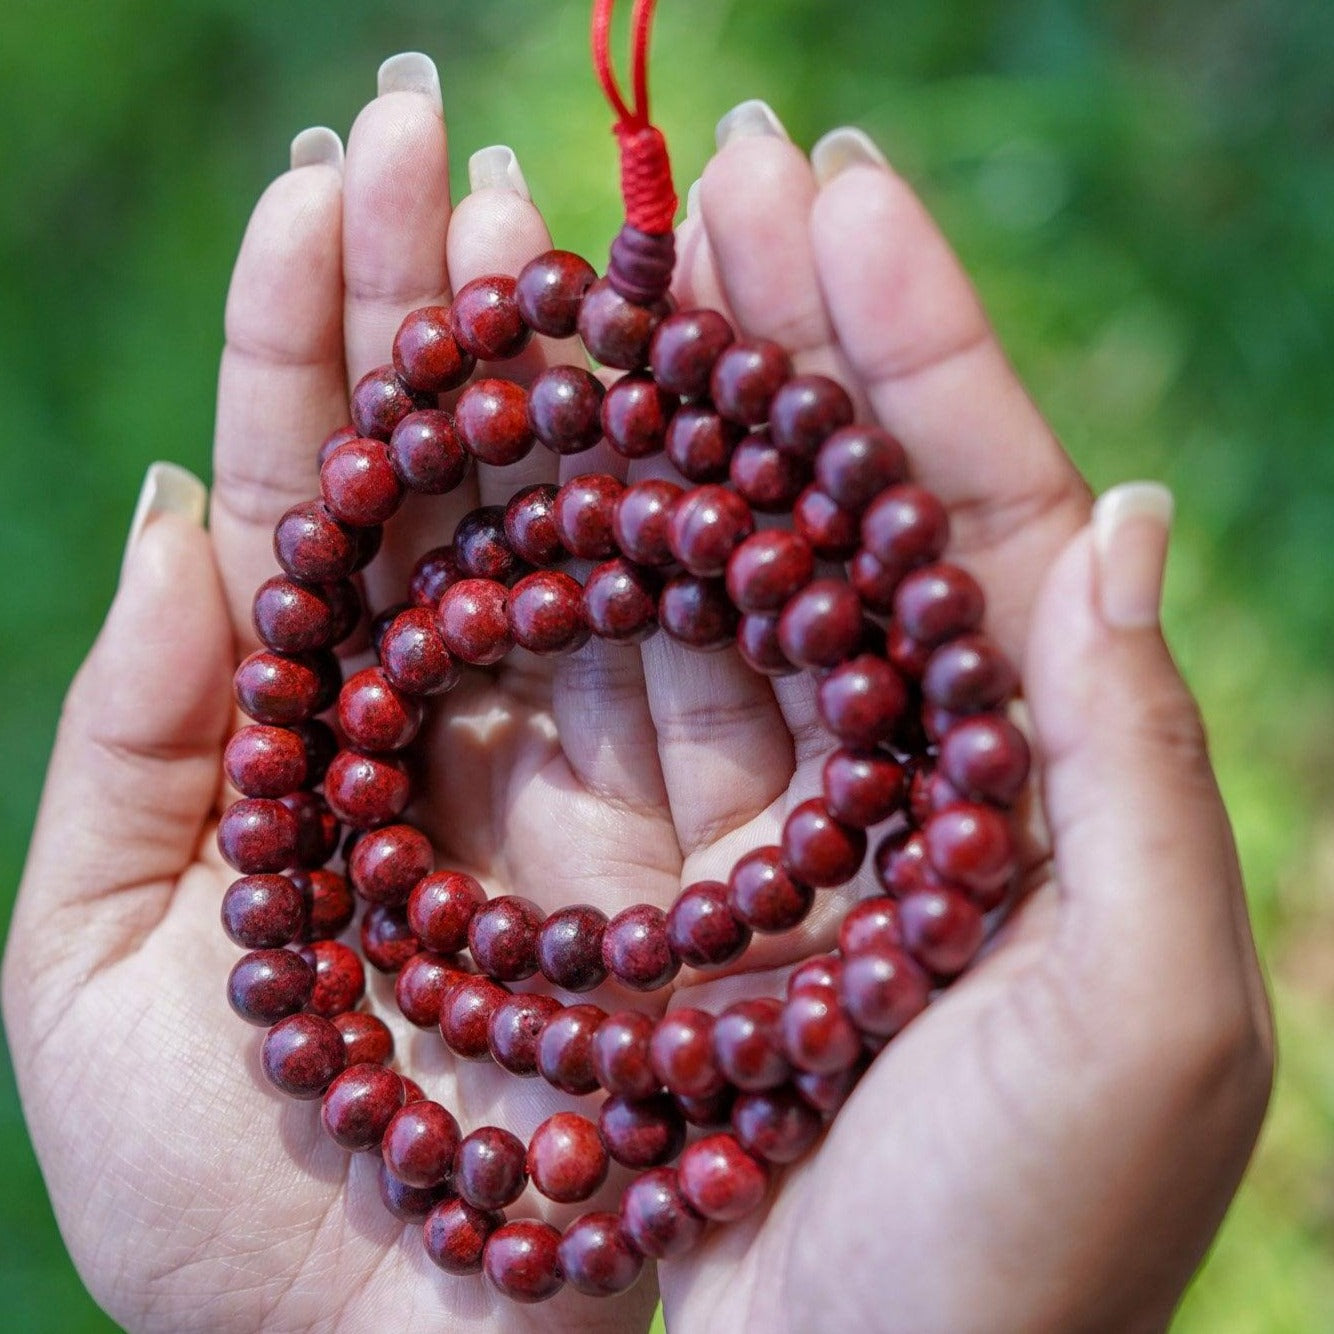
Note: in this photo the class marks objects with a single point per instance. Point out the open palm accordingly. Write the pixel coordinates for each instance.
(1050, 1146)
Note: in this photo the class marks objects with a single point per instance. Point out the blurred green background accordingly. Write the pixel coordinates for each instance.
(1143, 192)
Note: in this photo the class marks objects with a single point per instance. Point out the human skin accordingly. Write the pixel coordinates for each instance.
(1051, 1146)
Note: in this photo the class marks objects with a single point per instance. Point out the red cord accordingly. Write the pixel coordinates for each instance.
(646, 171)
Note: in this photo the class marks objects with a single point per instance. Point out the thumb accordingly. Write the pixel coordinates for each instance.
(1143, 850)
(134, 772)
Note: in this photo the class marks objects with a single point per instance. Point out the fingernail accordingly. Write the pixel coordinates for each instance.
(692, 199)
(749, 120)
(496, 168)
(318, 146)
(1131, 524)
(410, 72)
(168, 489)
(843, 148)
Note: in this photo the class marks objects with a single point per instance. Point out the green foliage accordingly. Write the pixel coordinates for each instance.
(1141, 190)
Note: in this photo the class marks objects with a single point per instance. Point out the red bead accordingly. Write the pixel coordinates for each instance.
(290, 617)
(872, 924)
(440, 908)
(422, 984)
(707, 1113)
(480, 546)
(986, 758)
(258, 834)
(928, 792)
(764, 896)
(530, 525)
(642, 518)
(262, 912)
(434, 572)
(321, 746)
(414, 657)
(565, 1048)
(857, 463)
(491, 418)
(621, 1054)
(635, 413)
(546, 613)
(615, 331)
(805, 412)
(862, 788)
(427, 356)
(862, 701)
(380, 400)
(908, 656)
(685, 348)
(359, 484)
(566, 1158)
(409, 1204)
(882, 989)
(748, 1044)
(817, 849)
(905, 526)
(473, 622)
(513, 1030)
(487, 319)
(387, 863)
(697, 612)
(817, 1035)
(265, 761)
(972, 846)
(830, 529)
(937, 602)
(419, 1144)
(367, 544)
(359, 1104)
(827, 1093)
(550, 289)
(621, 601)
(365, 1037)
(454, 1235)
(366, 790)
(386, 939)
(565, 409)
(302, 1054)
(465, 1016)
(821, 625)
(489, 1168)
(583, 512)
(278, 689)
(503, 937)
(340, 980)
(901, 864)
(596, 1258)
(821, 972)
(317, 831)
(706, 526)
(721, 1180)
(657, 1218)
(699, 442)
(681, 1053)
(642, 1132)
(746, 377)
(968, 675)
(942, 930)
(757, 642)
(701, 928)
(875, 583)
(768, 480)
(335, 438)
(374, 715)
(328, 899)
(569, 947)
(311, 545)
(522, 1261)
(778, 1126)
(267, 985)
(636, 949)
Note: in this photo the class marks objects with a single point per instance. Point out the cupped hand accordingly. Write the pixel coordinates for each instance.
(1051, 1145)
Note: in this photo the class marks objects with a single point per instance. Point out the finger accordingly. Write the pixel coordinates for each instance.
(281, 384)
(915, 334)
(1143, 851)
(134, 773)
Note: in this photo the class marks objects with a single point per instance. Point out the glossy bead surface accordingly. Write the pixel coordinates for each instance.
(778, 1125)
(697, 612)
(269, 984)
(882, 989)
(317, 831)
(768, 569)
(567, 1161)
(386, 939)
(699, 443)
(502, 936)
(862, 701)
(583, 512)
(465, 1016)
(681, 1053)
(972, 846)
(768, 480)
(491, 418)
(904, 526)
(763, 895)
(685, 348)
(827, 1093)
(434, 572)
(263, 912)
(746, 377)
(701, 928)
(636, 949)
(340, 980)
(427, 356)
(635, 413)
(820, 972)
(565, 409)
(968, 675)
(656, 1216)
(748, 1044)
(277, 688)
(421, 986)
(821, 625)
(530, 528)
(936, 602)
(872, 924)
(489, 1169)
(817, 1035)
(374, 715)
(830, 529)
(986, 758)
(522, 1260)
(311, 545)
(805, 412)
(615, 331)
(817, 849)
(302, 1054)
(380, 400)
(409, 1204)
(875, 583)
(862, 788)
(757, 643)
(414, 657)
(487, 321)
(258, 834)
(366, 790)
(359, 483)
(621, 601)
(720, 1179)
(291, 617)
(546, 613)
(641, 519)
(387, 863)
(335, 438)
(569, 947)
(550, 289)
(513, 1030)
(440, 908)
(565, 1048)
(942, 930)
(366, 1038)
(454, 1235)
(472, 620)
(621, 1054)
(596, 1258)
(706, 526)
(642, 1132)
(480, 546)
(857, 463)
(359, 1104)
